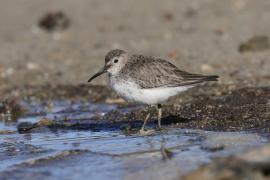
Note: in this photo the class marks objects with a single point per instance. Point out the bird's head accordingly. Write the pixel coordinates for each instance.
(115, 60)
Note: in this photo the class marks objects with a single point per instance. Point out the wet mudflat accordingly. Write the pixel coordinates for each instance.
(73, 137)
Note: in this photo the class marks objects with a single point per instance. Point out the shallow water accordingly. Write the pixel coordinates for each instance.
(78, 154)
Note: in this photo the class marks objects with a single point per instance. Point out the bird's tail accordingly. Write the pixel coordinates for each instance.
(211, 78)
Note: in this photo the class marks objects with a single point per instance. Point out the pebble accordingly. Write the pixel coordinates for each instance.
(32, 66)
(7, 132)
(206, 68)
(7, 72)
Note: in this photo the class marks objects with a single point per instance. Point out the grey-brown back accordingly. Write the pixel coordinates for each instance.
(151, 72)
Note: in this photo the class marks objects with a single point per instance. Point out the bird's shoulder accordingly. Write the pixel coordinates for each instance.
(141, 62)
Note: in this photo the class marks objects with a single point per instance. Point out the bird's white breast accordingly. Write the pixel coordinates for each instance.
(131, 92)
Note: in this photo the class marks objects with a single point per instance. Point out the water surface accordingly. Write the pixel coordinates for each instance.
(79, 154)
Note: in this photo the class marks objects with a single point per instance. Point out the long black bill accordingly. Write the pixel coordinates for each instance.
(102, 71)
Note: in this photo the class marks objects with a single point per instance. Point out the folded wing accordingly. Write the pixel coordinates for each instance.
(150, 72)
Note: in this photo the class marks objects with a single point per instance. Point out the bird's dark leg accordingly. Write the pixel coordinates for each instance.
(159, 107)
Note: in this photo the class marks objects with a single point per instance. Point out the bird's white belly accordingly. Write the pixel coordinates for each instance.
(131, 92)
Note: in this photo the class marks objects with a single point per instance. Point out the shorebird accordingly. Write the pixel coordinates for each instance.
(147, 80)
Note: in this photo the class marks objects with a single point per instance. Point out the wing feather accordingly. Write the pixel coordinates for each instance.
(150, 72)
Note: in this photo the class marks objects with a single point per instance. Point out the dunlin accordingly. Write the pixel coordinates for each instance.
(147, 80)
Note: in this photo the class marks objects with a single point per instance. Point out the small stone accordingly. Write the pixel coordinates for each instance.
(191, 12)
(166, 153)
(213, 148)
(55, 20)
(206, 68)
(10, 110)
(32, 66)
(172, 54)
(256, 43)
(7, 72)
(168, 16)
(219, 31)
(25, 127)
(7, 132)
(46, 122)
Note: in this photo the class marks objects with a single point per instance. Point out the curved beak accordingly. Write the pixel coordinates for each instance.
(102, 71)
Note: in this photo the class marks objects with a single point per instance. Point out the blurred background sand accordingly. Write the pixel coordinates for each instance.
(201, 36)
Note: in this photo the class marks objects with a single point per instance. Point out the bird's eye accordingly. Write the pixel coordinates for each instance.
(115, 61)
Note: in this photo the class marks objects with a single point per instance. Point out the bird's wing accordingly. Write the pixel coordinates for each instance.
(150, 72)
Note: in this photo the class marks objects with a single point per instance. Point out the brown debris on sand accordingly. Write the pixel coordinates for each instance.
(54, 20)
(256, 43)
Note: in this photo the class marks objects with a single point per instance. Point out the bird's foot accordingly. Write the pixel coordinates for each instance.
(160, 128)
(143, 132)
